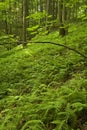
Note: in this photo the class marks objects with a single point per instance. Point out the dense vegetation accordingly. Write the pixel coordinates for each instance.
(44, 86)
(43, 65)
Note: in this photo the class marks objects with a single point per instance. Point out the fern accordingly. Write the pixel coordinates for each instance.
(34, 125)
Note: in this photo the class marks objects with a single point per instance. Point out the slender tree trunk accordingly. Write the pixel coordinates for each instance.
(61, 26)
(47, 11)
(10, 19)
(62, 18)
(41, 10)
(24, 22)
(6, 23)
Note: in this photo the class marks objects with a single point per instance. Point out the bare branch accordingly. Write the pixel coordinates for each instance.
(58, 44)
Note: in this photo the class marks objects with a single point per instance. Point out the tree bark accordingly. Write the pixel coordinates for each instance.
(24, 22)
(62, 18)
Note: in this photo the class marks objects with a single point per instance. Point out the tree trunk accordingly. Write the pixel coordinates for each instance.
(24, 22)
(62, 18)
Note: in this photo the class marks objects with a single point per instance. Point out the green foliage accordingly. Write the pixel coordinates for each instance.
(37, 15)
(44, 87)
(8, 41)
(33, 28)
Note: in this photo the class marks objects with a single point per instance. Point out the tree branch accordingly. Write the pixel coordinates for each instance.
(57, 44)
(67, 47)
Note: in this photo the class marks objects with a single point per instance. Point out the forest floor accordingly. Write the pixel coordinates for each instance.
(44, 86)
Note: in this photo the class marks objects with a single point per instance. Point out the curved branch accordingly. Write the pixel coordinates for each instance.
(58, 44)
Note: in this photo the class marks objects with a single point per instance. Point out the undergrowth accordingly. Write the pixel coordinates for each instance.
(44, 87)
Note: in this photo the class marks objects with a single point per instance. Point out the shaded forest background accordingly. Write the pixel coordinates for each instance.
(26, 18)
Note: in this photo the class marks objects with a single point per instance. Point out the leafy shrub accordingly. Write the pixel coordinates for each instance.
(8, 41)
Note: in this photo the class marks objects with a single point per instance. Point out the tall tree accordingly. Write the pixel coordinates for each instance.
(47, 14)
(24, 21)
